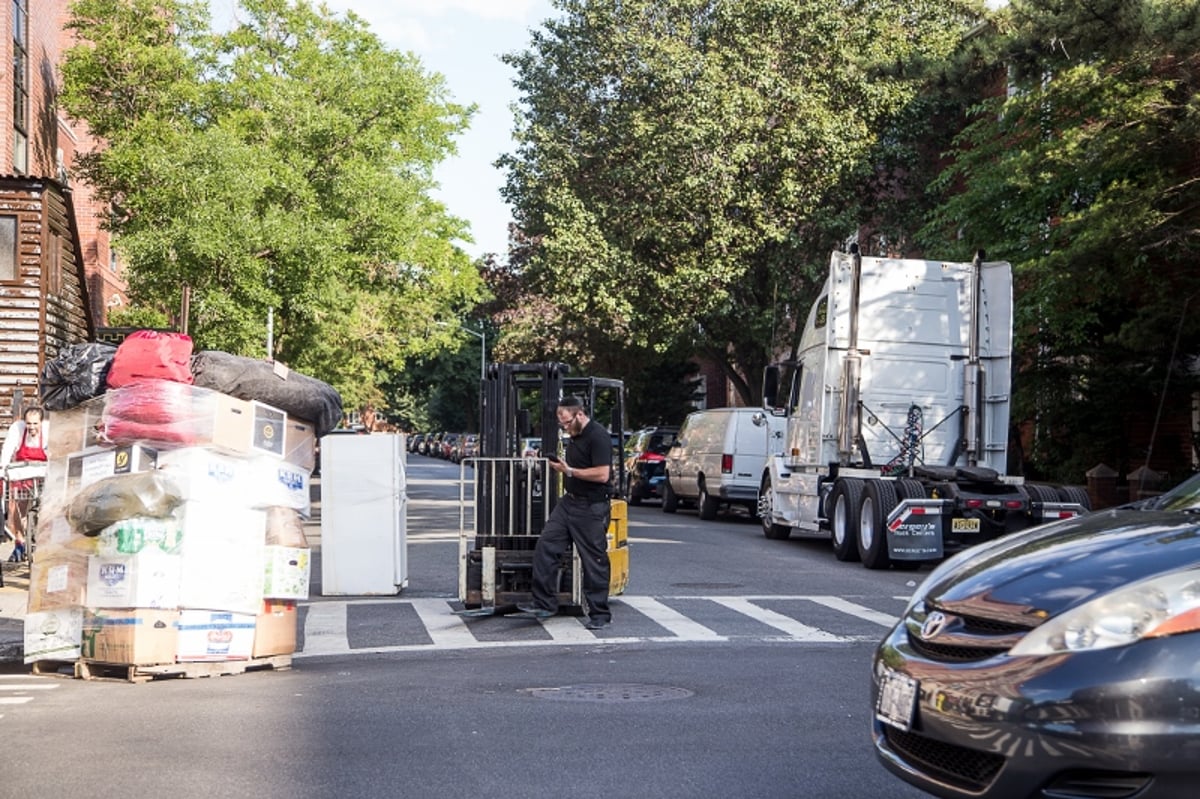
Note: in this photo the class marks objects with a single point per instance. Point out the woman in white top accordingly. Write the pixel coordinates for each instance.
(26, 441)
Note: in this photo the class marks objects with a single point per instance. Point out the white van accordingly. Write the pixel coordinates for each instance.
(718, 459)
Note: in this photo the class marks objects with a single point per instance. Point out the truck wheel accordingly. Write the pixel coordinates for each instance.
(879, 499)
(707, 503)
(1075, 494)
(908, 488)
(766, 509)
(844, 501)
(670, 501)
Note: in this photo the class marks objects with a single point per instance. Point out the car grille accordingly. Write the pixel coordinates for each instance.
(977, 639)
(965, 768)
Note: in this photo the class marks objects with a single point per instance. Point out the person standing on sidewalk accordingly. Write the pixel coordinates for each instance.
(581, 517)
(26, 441)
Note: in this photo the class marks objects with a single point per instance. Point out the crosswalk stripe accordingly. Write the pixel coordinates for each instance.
(15, 700)
(444, 628)
(787, 624)
(6, 686)
(325, 628)
(855, 609)
(684, 628)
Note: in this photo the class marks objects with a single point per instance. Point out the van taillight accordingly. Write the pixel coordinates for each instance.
(726, 464)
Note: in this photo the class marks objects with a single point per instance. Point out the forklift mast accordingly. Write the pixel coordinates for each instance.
(515, 495)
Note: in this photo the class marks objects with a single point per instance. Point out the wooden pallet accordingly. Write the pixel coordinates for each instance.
(54, 668)
(126, 672)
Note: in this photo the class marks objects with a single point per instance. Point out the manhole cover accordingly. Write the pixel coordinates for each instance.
(611, 693)
(706, 586)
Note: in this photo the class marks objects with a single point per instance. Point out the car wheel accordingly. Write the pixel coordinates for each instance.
(878, 500)
(670, 500)
(844, 503)
(766, 510)
(707, 504)
(634, 494)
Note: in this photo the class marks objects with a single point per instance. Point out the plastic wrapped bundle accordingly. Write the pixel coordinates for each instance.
(161, 412)
(123, 496)
(298, 395)
(78, 373)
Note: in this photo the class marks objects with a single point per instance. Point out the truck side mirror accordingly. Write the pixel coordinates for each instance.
(770, 386)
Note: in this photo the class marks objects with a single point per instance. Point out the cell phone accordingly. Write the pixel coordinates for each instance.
(552, 458)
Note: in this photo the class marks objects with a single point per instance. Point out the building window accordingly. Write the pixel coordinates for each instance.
(8, 248)
(20, 73)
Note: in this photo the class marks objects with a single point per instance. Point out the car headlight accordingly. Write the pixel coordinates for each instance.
(1164, 605)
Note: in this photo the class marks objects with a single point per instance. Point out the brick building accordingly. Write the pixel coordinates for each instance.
(58, 276)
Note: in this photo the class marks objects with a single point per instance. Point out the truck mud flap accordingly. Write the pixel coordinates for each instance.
(915, 529)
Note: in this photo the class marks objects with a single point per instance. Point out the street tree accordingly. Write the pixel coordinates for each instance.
(675, 160)
(1086, 175)
(280, 170)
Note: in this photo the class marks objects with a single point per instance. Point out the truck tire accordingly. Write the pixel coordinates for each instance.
(878, 500)
(908, 488)
(1075, 494)
(670, 501)
(1040, 493)
(707, 503)
(766, 509)
(844, 502)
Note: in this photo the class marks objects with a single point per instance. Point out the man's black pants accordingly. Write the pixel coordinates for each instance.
(584, 523)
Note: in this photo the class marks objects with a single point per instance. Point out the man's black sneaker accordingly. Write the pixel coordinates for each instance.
(535, 611)
(597, 624)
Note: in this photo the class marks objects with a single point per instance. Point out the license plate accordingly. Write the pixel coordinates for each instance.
(897, 699)
(964, 525)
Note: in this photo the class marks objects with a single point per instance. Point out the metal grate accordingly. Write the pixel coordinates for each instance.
(611, 693)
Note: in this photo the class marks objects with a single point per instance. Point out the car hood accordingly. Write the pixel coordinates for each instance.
(1031, 576)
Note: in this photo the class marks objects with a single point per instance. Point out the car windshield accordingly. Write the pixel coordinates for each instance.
(1185, 496)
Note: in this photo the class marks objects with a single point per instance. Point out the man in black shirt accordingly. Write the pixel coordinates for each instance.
(580, 517)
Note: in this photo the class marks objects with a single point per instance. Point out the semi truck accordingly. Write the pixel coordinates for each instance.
(897, 415)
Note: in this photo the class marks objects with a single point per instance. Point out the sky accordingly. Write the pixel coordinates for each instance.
(462, 40)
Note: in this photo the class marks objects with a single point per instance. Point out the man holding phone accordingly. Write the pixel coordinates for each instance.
(580, 517)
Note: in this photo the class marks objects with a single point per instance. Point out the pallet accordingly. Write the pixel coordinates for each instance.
(54, 668)
(126, 672)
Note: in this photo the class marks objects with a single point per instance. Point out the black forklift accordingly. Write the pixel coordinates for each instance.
(514, 494)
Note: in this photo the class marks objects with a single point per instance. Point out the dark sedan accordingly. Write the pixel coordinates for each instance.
(1063, 661)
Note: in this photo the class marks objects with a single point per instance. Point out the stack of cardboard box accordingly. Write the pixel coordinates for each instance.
(212, 573)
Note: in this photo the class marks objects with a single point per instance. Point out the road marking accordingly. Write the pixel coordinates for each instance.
(855, 609)
(684, 628)
(325, 628)
(568, 630)
(443, 627)
(797, 630)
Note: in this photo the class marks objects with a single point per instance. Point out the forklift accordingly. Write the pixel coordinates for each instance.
(514, 494)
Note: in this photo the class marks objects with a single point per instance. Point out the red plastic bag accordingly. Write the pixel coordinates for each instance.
(152, 354)
(154, 402)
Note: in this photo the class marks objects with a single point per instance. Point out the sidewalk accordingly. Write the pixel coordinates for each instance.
(14, 596)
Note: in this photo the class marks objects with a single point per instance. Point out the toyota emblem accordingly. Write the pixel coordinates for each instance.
(934, 623)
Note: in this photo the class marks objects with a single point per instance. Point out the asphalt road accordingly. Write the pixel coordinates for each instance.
(735, 667)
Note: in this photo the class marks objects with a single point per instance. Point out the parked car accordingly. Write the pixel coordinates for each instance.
(1058, 661)
(449, 440)
(645, 461)
(531, 448)
(431, 445)
(718, 458)
(470, 447)
(414, 442)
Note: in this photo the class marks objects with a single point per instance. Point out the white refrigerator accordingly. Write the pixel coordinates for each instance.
(364, 547)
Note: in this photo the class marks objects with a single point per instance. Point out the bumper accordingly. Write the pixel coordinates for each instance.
(1124, 720)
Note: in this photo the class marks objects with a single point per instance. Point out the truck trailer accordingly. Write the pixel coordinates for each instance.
(897, 415)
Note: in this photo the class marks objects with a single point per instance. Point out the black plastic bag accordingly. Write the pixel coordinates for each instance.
(78, 373)
(300, 396)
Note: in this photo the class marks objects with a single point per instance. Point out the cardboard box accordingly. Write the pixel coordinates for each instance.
(222, 556)
(134, 535)
(278, 483)
(75, 429)
(270, 430)
(285, 528)
(300, 443)
(53, 634)
(275, 628)
(58, 579)
(96, 463)
(138, 636)
(286, 573)
(205, 474)
(149, 579)
(215, 635)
